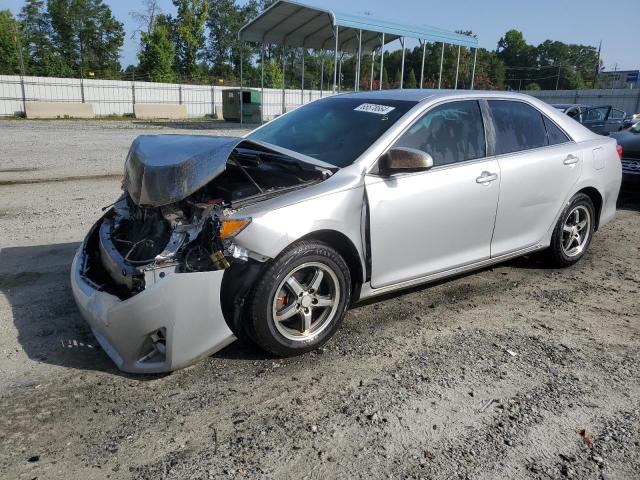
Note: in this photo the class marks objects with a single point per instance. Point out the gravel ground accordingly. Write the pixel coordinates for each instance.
(517, 371)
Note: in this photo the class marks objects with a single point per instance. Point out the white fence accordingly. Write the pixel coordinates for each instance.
(116, 97)
(623, 99)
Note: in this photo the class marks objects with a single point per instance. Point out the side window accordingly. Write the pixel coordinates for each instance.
(555, 136)
(616, 114)
(451, 132)
(598, 114)
(573, 112)
(518, 126)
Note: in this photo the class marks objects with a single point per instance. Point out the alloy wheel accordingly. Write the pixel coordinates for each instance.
(576, 231)
(306, 301)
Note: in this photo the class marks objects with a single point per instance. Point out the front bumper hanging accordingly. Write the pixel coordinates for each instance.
(167, 326)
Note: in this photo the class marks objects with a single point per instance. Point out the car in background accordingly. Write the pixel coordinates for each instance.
(601, 120)
(573, 110)
(631, 121)
(629, 140)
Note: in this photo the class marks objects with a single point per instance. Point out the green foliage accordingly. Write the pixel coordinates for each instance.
(224, 21)
(189, 35)
(396, 79)
(9, 42)
(272, 74)
(385, 78)
(411, 81)
(550, 65)
(86, 36)
(157, 54)
(513, 50)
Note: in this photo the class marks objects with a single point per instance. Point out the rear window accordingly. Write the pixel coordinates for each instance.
(336, 130)
(518, 126)
(555, 136)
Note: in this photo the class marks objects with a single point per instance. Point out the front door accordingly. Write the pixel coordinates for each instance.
(427, 222)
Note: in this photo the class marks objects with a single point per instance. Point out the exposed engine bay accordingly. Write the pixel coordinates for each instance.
(136, 245)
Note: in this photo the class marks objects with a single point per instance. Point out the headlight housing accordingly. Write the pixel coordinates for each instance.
(231, 227)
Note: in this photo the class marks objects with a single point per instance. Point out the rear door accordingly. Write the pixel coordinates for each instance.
(539, 164)
(595, 119)
(427, 222)
(615, 120)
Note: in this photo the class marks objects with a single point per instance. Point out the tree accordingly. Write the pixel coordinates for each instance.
(157, 54)
(224, 50)
(189, 35)
(147, 17)
(514, 51)
(86, 36)
(565, 65)
(396, 79)
(36, 37)
(9, 44)
(272, 74)
(411, 80)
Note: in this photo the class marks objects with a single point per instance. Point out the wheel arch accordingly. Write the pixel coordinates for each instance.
(596, 198)
(346, 248)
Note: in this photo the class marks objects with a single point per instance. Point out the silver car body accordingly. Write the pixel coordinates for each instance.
(404, 230)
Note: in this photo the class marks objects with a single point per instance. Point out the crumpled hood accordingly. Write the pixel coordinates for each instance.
(163, 169)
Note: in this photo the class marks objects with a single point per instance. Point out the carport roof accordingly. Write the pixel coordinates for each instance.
(298, 25)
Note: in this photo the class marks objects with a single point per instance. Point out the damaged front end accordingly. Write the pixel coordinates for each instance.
(150, 274)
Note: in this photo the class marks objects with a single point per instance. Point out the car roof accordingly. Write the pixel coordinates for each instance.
(568, 105)
(418, 95)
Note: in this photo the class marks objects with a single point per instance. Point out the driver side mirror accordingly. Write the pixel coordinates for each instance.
(403, 159)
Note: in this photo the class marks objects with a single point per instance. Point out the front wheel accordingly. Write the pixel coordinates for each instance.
(573, 232)
(300, 300)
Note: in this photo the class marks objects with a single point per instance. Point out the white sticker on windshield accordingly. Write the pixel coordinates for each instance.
(374, 108)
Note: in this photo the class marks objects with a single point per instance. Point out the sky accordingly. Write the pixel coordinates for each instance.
(571, 21)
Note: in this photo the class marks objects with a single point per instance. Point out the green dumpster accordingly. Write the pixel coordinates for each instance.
(251, 105)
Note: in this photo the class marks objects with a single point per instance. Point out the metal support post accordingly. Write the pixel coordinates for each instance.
(402, 64)
(473, 72)
(381, 60)
(457, 68)
(335, 60)
(424, 51)
(441, 64)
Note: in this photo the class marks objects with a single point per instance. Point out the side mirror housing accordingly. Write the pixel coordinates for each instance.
(403, 159)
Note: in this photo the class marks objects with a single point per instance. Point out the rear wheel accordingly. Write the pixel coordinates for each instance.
(300, 301)
(573, 232)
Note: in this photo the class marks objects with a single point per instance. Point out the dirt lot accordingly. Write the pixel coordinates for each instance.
(513, 372)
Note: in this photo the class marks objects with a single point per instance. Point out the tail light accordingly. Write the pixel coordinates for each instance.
(619, 150)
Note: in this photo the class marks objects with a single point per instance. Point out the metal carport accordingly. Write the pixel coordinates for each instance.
(293, 24)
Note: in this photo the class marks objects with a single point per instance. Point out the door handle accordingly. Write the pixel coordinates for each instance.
(486, 177)
(571, 159)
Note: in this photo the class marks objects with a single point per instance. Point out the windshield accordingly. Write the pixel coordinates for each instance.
(335, 130)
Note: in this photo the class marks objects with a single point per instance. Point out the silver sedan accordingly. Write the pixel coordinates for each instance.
(274, 235)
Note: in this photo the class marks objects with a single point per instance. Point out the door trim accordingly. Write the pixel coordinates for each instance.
(367, 291)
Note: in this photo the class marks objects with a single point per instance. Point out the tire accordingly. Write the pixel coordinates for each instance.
(568, 247)
(285, 322)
